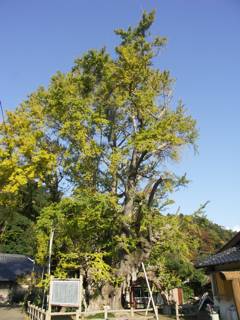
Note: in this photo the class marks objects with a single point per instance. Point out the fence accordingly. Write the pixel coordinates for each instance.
(36, 313)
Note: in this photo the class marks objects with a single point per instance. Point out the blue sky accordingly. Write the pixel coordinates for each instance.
(37, 38)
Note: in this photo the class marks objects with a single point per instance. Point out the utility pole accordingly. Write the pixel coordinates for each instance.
(49, 263)
(50, 250)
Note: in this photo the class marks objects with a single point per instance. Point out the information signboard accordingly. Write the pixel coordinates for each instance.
(65, 292)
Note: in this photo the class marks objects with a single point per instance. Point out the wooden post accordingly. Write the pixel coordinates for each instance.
(177, 311)
(105, 312)
(236, 290)
(48, 313)
(132, 311)
(150, 292)
(148, 304)
(37, 313)
(43, 314)
(28, 308)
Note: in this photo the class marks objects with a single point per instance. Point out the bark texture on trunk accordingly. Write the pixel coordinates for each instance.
(127, 269)
(108, 296)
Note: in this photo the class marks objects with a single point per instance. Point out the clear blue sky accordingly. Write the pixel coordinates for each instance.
(37, 38)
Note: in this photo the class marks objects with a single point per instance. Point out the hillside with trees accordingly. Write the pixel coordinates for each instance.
(86, 159)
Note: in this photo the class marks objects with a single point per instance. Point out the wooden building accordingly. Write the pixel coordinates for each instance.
(224, 271)
(13, 267)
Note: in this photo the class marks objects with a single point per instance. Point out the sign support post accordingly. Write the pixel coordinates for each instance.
(49, 310)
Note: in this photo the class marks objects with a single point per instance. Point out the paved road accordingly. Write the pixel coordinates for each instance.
(10, 313)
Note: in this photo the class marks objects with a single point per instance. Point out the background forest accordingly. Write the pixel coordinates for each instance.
(87, 158)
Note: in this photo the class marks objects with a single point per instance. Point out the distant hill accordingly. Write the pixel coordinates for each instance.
(211, 235)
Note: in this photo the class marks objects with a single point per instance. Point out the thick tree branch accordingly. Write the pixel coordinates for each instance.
(140, 159)
(153, 191)
(122, 180)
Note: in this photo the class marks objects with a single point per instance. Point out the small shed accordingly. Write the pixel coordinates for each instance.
(137, 295)
(224, 270)
(12, 267)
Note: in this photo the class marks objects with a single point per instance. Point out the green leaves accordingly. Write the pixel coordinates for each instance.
(173, 130)
(173, 254)
(84, 230)
(18, 236)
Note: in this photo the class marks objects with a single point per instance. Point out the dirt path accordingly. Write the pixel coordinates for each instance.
(11, 313)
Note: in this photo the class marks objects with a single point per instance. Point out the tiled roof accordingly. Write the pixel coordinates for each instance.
(235, 241)
(13, 266)
(227, 256)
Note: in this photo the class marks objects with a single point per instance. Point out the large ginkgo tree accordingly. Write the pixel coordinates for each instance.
(93, 149)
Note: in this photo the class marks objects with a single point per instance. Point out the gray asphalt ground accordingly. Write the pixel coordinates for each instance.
(11, 313)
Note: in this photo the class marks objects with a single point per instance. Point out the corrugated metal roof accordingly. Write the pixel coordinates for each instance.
(13, 266)
(227, 256)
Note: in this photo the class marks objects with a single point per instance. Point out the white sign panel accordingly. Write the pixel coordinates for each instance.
(65, 293)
